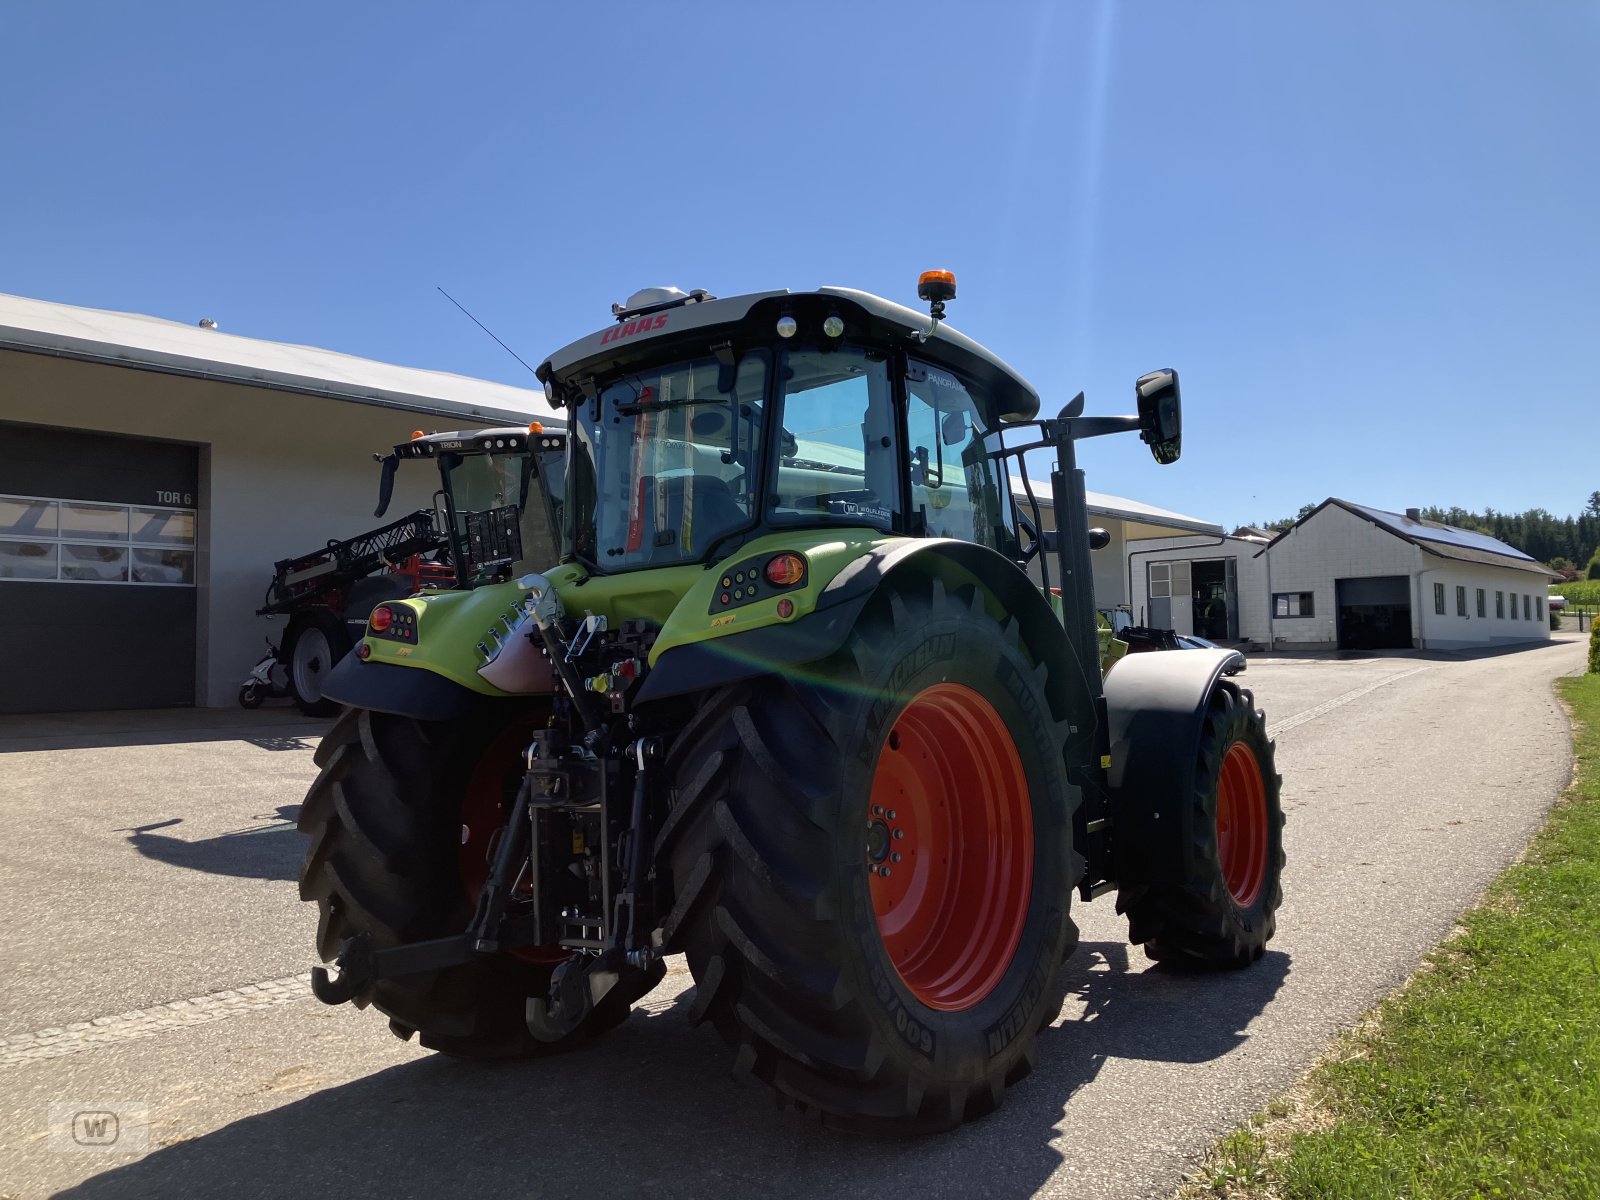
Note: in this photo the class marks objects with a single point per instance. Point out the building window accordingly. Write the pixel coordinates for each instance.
(1538, 607)
(1500, 606)
(1483, 603)
(1438, 598)
(1527, 608)
(1292, 604)
(1461, 601)
(1160, 579)
(45, 540)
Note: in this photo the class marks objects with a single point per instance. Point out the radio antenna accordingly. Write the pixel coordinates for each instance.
(486, 329)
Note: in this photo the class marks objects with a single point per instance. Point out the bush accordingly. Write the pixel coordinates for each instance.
(1594, 649)
(1594, 567)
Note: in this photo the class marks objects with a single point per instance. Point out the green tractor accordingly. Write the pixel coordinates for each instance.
(746, 663)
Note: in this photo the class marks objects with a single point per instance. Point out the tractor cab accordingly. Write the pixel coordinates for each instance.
(700, 424)
(499, 499)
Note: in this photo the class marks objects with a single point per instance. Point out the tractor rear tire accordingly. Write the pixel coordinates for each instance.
(385, 819)
(872, 864)
(1218, 904)
(313, 643)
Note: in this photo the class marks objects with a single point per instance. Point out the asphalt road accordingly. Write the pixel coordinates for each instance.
(153, 947)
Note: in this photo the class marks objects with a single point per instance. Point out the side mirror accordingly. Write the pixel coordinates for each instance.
(1099, 539)
(954, 428)
(385, 483)
(1160, 414)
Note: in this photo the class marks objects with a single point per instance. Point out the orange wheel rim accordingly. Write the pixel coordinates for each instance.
(485, 808)
(1242, 824)
(950, 847)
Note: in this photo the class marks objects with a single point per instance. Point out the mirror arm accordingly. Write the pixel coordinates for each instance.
(1078, 428)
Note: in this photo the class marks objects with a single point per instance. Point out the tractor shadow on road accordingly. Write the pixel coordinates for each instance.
(270, 851)
(651, 1110)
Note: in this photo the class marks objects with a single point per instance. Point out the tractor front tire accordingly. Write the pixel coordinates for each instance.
(872, 865)
(1216, 900)
(386, 818)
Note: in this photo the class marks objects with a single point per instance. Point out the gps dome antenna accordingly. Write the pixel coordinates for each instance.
(486, 329)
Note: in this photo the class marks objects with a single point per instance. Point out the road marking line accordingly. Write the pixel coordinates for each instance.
(1311, 714)
(147, 1022)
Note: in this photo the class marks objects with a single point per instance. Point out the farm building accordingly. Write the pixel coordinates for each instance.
(1212, 587)
(152, 472)
(1128, 522)
(1347, 576)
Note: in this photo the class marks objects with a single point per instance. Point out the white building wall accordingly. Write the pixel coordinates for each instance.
(280, 474)
(1251, 576)
(1333, 544)
(1452, 631)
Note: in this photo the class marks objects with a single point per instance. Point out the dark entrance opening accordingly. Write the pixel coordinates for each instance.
(1374, 613)
(1216, 604)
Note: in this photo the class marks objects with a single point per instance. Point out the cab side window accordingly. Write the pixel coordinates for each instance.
(957, 491)
(836, 458)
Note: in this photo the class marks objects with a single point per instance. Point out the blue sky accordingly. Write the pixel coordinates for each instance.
(1365, 234)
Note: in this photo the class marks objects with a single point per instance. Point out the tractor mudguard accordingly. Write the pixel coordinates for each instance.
(735, 656)
(1156, 706)
(765, 651)
(404, 691)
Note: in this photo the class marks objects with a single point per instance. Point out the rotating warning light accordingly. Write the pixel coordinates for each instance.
(936, 286)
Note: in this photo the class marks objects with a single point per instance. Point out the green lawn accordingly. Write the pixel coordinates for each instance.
(1481, 1077)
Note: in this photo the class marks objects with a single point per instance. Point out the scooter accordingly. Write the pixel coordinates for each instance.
(268, 679)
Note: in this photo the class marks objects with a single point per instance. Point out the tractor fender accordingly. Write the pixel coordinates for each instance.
(405, 691)
(1156, 707)
(732, 657)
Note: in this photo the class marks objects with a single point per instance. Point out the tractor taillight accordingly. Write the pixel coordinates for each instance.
(382, 617)
(785, 570)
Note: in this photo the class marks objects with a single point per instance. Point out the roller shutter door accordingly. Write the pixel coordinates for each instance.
(1374, 612)
(98, 542)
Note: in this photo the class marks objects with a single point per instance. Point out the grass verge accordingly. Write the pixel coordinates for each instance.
(1481, 1077)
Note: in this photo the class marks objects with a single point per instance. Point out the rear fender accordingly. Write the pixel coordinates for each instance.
(404, 691)
(732, 657)
(1156, 706)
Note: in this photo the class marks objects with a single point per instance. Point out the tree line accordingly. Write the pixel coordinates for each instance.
(1570, 545)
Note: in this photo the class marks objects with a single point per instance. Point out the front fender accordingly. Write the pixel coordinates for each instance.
(1156, 706)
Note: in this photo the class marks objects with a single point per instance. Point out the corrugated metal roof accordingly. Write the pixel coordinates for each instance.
(1120, 507)
(154, 344)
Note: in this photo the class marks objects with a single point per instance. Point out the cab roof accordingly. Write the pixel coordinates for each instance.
(886, 321)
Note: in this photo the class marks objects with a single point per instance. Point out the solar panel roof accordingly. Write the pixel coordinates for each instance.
(1432, 531)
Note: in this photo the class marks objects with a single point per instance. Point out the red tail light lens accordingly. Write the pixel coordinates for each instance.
(786, 570)
(381, 619)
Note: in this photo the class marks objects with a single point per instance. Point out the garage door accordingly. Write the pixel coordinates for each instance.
(1374, 613)
(97, 571)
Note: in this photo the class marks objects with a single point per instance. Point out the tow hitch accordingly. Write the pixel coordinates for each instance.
(577, 984)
